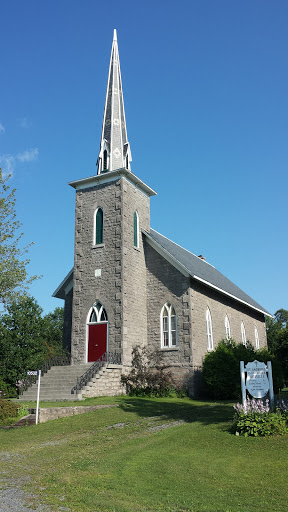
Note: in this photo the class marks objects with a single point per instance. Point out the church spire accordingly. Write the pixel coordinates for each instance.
(114, 146)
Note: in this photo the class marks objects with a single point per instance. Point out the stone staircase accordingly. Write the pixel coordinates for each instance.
(106, 382)
(57, 383)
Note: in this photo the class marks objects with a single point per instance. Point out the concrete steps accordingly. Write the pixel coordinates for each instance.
(57, 383)
(107, 382)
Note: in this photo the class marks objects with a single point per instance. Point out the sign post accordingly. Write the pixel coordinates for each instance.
(36, 372)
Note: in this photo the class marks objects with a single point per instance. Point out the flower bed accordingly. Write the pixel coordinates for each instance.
(255, 418)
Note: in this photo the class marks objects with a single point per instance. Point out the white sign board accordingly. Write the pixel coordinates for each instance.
(257, 382)
(32, 372)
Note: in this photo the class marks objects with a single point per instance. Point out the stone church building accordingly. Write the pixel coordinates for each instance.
(130, 285)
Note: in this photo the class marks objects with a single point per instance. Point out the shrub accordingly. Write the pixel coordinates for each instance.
(221, 369)
(255, 419)
(149, 375)
(8, 410)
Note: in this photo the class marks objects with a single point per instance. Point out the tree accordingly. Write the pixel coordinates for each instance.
(53, 331)
(221, 369)
(14, 278)
(21, 339)
(27, 339)
(277, 338)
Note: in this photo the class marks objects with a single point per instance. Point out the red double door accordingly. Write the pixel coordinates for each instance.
(97, 341)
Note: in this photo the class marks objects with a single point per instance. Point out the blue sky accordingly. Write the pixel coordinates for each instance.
(205, 88)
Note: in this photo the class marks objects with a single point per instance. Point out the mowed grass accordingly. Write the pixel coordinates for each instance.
(148, 455)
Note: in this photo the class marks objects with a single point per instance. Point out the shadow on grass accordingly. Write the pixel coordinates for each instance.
(188, 411)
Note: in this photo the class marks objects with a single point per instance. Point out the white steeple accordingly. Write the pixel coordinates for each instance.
(114, 146)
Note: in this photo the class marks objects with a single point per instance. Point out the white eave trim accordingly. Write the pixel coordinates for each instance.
(112, 176)
(230, 295)
(187, 273)
(66, 288)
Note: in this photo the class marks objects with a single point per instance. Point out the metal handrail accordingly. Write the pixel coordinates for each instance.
(64, 360)
(107, 357)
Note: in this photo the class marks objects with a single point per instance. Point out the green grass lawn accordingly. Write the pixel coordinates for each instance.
(148, 455)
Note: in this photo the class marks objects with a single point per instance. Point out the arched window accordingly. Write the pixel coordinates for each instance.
(127, 162)
(257, 344)
(209, 330)
(97, 314)
(243, 334)
(105, 160)
(168, 326)
(227, 328)
(98, 227)
(136, 229)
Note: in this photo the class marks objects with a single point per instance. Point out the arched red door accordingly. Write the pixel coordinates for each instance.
(97, 333)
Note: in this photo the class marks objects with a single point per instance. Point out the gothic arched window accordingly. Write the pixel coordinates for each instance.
(209, 330)
(97, 314)
(136, 229)
(257, 343)
(168, 326)
(227, 328)
(243, 333)
(105, 160)
(98, 227)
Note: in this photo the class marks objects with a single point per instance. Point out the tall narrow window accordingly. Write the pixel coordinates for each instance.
(168, 326)
(227, 328)
(136, 229)
(209, 330)
(243, 334)
(127, 162)
(99, 226)
(257, 344)
(105, 160)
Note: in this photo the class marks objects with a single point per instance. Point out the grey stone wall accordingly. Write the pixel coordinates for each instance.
(67, 326)
(220, 305)
(134, 270)
(108, 257)
(121, 288)
(167, 284)
(190, 300)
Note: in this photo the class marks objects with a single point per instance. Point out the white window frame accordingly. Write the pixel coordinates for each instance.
(243, 334)
(94, 226)
(257, 342)
(209, 331)
(137, 229)
(169, 308)
(227, 328)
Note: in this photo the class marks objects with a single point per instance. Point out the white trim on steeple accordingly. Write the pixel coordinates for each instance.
(114, 131)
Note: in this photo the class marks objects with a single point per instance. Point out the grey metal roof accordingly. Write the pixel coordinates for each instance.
(201, 270)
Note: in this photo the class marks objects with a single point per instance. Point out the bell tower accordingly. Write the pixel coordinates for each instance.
(112, 208)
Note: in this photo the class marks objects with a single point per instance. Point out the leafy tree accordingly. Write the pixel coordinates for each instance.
(27, 339)
(277, 338)
(53, 331)
(221, 369)
(14, 279)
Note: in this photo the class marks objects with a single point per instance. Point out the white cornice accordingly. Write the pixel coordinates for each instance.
(109, 176)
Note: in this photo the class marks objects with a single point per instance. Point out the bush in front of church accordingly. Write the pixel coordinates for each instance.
(221, 369)
(149, 375)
